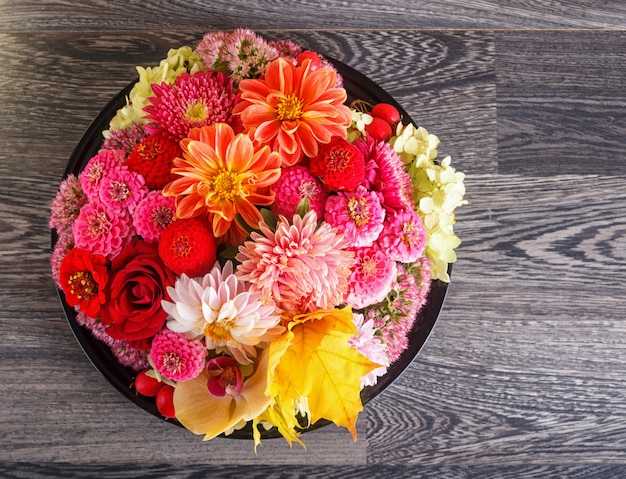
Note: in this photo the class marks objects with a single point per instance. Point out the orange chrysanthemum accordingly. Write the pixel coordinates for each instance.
(223, 174)
(294, 109)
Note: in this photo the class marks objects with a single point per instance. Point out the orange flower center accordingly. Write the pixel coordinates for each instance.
(83, 285)
(218, 331)
(227, 185)
(289, 108)
(358, 211)
(196, 111)
(181, 246)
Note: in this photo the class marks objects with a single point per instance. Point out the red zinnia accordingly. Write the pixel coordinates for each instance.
(340, 165)
(83, 277)
(188, 246)
(154, 158)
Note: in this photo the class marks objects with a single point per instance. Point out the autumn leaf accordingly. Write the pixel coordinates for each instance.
(317, 363)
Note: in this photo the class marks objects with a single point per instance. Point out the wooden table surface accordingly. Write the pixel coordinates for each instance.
(523, 375)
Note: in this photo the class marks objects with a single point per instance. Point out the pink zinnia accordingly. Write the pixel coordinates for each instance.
(300, 266)
(358, 215)
(102, 231)
(176, 357)
(193, 101)
(97, 168)
(404, 236)
(153, 214)
(67, 204)
(295, 184)
(122, 189)
(385, 172)
(371, 277)
(125, 139)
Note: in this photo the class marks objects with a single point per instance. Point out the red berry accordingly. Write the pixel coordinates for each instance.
(146, 385)
(379, 129)
(165, 401)
(386, 112)
(316, 61)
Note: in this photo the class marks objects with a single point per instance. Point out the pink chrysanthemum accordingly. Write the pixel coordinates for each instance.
(370, 345)
(102, 231)
(67, 204)
(124, 139)
(65, 242)
(97, 168)
(176, 357)
(300, 266)
(122, 189)
(371, 277)
(193, 101)
(153, 214)
(136, 359)
(295, 184)
(385, 172)
(403, 238)
(358, 215)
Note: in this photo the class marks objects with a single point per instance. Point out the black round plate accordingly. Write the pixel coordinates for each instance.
(359, 87)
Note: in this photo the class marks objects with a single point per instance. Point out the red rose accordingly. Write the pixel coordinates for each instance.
(138, 282)
(83, 277)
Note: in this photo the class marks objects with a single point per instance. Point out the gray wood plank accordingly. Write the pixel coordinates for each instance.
(48, 15)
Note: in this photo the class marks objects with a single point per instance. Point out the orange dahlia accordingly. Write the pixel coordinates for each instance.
(223, 174)
(294, 109)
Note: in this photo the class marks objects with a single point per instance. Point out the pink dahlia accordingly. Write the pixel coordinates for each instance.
(67, 204)
(153, 214)
(295, 184)
(97, 168)
(124, 139)
(301, 266)
(385, 172)
(193, 101)
(122, 189)
(176, 357)
(358, 215)
(221, 308)
(403, 237)
(102, 231)
(370, 345)
(371, 277)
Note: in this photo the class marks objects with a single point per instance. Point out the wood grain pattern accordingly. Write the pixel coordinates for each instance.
(523, 375)
(32, 16)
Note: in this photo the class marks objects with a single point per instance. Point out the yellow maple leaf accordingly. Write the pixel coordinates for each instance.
(316, 362)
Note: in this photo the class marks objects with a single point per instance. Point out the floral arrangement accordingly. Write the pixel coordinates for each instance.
(254, 247)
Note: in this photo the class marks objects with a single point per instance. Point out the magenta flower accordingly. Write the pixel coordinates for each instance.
(225, 377)
(371, 277)
(295, 184)
(403, 237)
(122, 189)
(358, 215)
(97, 168)
(176, 357)
(193, 101)
(153, 214)
(102, 231)
(385, 172)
